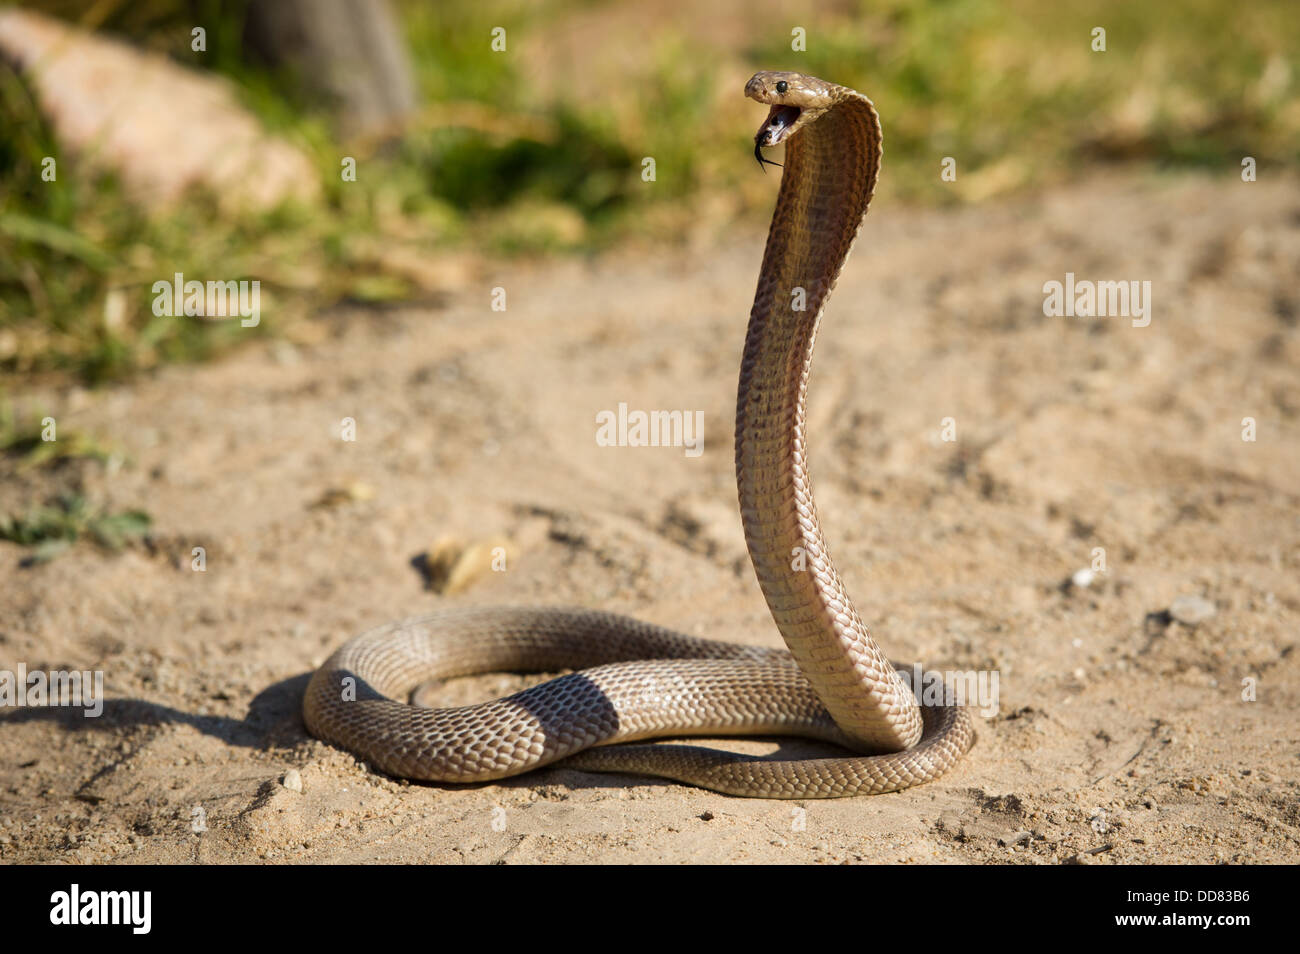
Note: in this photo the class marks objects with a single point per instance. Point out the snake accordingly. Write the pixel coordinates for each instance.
(625, 683)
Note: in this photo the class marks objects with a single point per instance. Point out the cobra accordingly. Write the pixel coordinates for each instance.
(634, 681)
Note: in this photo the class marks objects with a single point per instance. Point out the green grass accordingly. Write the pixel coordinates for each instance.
(50, 530)
(1016, 94)
(34, 441)
(1011, 90)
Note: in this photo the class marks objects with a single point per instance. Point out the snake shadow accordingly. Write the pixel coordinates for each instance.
(273, 718)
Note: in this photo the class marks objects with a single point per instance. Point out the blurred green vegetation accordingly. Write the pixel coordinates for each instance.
(51, 529)
(506, 160)
(28, 444)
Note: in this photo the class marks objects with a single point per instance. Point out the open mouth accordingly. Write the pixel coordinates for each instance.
(780, 120)
(774, 131)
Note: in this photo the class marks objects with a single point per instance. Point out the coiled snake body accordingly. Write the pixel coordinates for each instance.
(834, 683)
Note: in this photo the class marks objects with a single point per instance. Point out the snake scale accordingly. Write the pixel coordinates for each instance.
(635, 681)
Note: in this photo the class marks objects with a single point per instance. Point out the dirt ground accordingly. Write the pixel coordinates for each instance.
(1123, 735)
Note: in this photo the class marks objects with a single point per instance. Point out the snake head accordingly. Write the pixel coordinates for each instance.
(795, 100)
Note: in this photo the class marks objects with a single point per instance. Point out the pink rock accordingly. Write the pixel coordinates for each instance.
(162, 128)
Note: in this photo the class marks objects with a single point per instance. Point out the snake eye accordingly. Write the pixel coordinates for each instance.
(782, 86)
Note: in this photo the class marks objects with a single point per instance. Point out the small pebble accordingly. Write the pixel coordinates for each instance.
(1191, 610)
(292, 780)
(1083, 578)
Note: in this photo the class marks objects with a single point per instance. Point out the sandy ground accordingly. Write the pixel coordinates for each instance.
(1122, 734)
